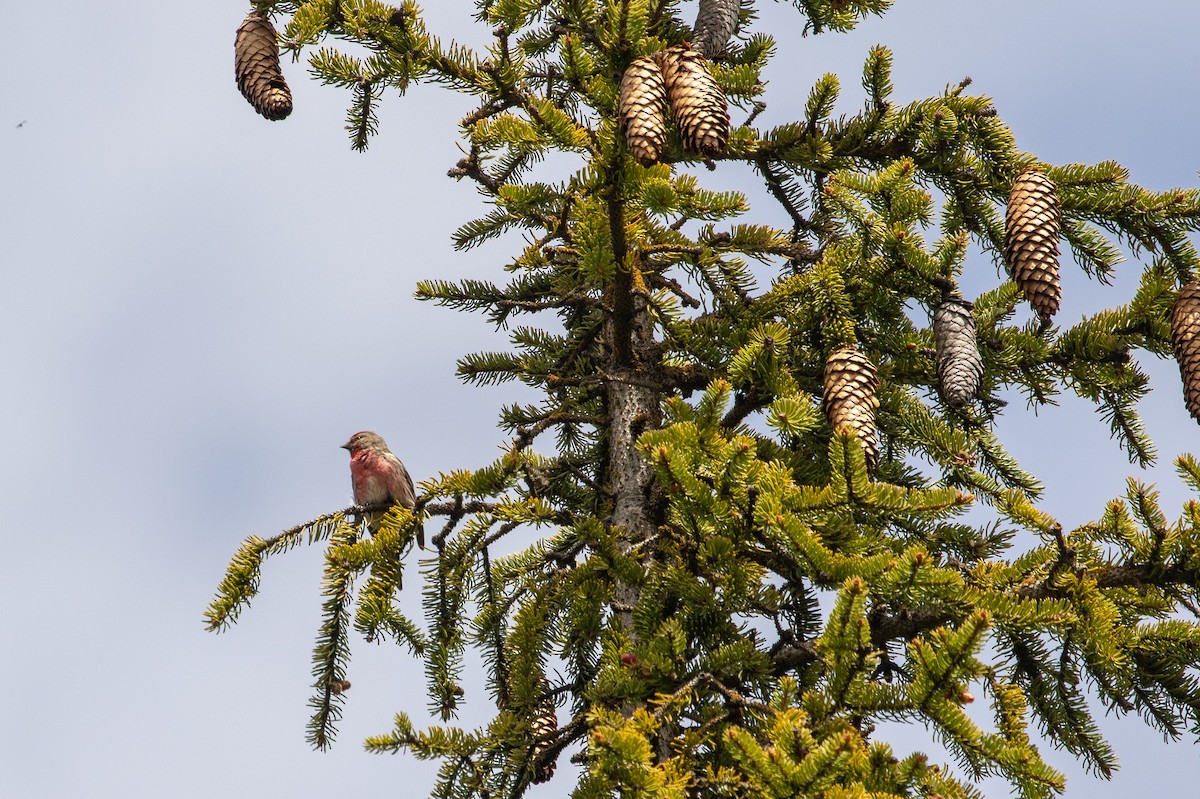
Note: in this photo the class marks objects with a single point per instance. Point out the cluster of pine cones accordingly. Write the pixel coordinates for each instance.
(1032, 226)
(1033, 223)
(677, 76)
(1031, 252)
(677, 79)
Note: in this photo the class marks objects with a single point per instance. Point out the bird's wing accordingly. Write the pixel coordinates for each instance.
(411, 501)
(400, 483)
(412, 491)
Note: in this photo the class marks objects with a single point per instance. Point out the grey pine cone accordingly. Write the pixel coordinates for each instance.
(697, 103)
(1185, 340)
(642, 110)
(959, 365)
(545, 723)
(850, 382)
(1031, 230)
(256, 66)
(715, 24)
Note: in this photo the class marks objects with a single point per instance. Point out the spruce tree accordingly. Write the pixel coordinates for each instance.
(755, 446)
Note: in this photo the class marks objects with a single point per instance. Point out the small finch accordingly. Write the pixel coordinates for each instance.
(378, 476)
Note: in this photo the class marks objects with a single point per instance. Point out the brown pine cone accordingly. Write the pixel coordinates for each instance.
(642, 110)
(545, 724)
(850, 383)
(715, 23)
(1185, 340)
(256, 66)
(697, 102)
(959, 365)
(1031, 230)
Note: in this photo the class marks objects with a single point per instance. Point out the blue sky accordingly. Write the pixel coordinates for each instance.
(200, 306)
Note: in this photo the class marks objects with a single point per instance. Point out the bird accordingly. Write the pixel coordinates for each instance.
(378, 476)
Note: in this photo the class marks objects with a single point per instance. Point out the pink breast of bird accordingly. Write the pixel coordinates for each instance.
(374, 478)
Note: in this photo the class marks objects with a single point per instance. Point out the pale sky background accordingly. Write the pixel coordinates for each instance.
(200, 306)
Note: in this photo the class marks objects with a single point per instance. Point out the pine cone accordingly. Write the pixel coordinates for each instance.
(545, 723)
(1031, 231)
(715, 23)
(959, 366)
(850, 383)
(256, 65)
(642, 110)
(1185, 340)
(697, 102)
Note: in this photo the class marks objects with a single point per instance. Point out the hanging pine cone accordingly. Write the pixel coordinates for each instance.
(545, 723)
(1185, 340)
(642, 110)
(1031, 231)
(715, 23)
(959, 366)
(850, 382)
(697, 102)
(256, 65)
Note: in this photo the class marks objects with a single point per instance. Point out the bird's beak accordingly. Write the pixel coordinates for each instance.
(346, 445)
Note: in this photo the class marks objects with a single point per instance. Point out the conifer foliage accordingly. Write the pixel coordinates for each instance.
(750, 459)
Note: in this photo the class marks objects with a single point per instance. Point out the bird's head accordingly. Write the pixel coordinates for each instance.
(364, 440)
